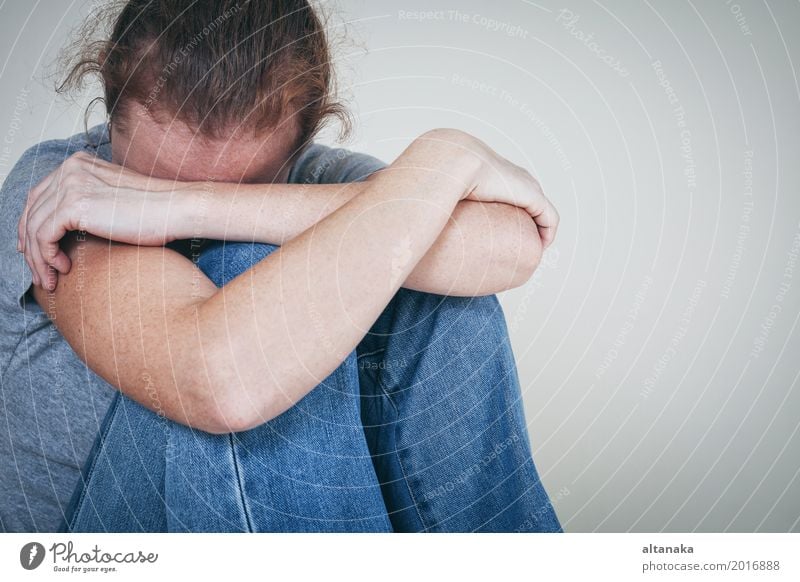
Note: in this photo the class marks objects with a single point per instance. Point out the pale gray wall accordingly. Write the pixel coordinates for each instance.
(657, 344)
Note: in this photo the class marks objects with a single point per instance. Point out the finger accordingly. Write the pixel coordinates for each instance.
(50, 278)
(50, 251)
(34, 197)
(39, 265)
(41, 192)
(22, 228)
(547, 236)
(41, 187)
(555, 222)
(31, 266)
(47, 231)
(544, 212)
(31, 248)
(47, 226)
(61, 262)
(52, 254)
(548, 225)
(29, 227)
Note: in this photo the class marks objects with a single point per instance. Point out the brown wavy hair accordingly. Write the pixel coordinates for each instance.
(213, 64)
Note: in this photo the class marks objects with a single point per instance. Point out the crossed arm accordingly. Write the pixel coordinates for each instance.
(485, 248)
(228, 359)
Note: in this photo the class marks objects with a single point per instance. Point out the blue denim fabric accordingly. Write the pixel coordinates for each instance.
(420, 429)
(444, 420)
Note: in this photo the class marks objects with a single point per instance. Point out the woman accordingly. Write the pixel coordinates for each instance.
(343, 366)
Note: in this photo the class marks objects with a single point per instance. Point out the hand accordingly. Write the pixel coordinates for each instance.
(498, 180)
(89, 194)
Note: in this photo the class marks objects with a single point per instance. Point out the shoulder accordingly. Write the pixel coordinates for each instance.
(320, 164)
(41, 159)
(34, 164)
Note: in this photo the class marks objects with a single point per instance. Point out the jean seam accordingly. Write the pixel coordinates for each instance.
(400, 457)
(372, 353)
(240, 484)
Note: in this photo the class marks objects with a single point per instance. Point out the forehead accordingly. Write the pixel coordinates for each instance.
(173, 150)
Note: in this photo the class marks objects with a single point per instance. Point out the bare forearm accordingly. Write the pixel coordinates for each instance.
(319, 293)
(485, 247)
(145, 319)
(265, 213)
(231, 358)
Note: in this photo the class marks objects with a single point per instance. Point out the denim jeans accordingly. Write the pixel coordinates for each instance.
(421, 428)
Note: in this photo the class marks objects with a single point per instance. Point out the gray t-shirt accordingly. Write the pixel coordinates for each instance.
(51, 404)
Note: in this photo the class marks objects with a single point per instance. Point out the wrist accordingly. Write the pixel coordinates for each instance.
(452, 153)
(191, 209)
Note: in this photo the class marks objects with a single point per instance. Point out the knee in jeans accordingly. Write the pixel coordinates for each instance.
(464, 321)
(222, 261)
(484, 306)
(470, 313)
(481, 319)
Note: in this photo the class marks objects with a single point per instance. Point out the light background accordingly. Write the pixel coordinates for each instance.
(657, 344)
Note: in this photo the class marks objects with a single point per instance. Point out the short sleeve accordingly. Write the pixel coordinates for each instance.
(36, 163)
(320, 164)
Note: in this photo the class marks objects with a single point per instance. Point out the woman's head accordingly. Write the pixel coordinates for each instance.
(215, 69)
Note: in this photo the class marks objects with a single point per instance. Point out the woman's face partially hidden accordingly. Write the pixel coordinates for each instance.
(174, 151)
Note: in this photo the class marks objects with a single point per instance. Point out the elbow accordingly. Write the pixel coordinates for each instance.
(229, 415)
(236, 412)
(229, 390)
(221, 404)
(224, 419)
(530, 255)
(523, 251)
